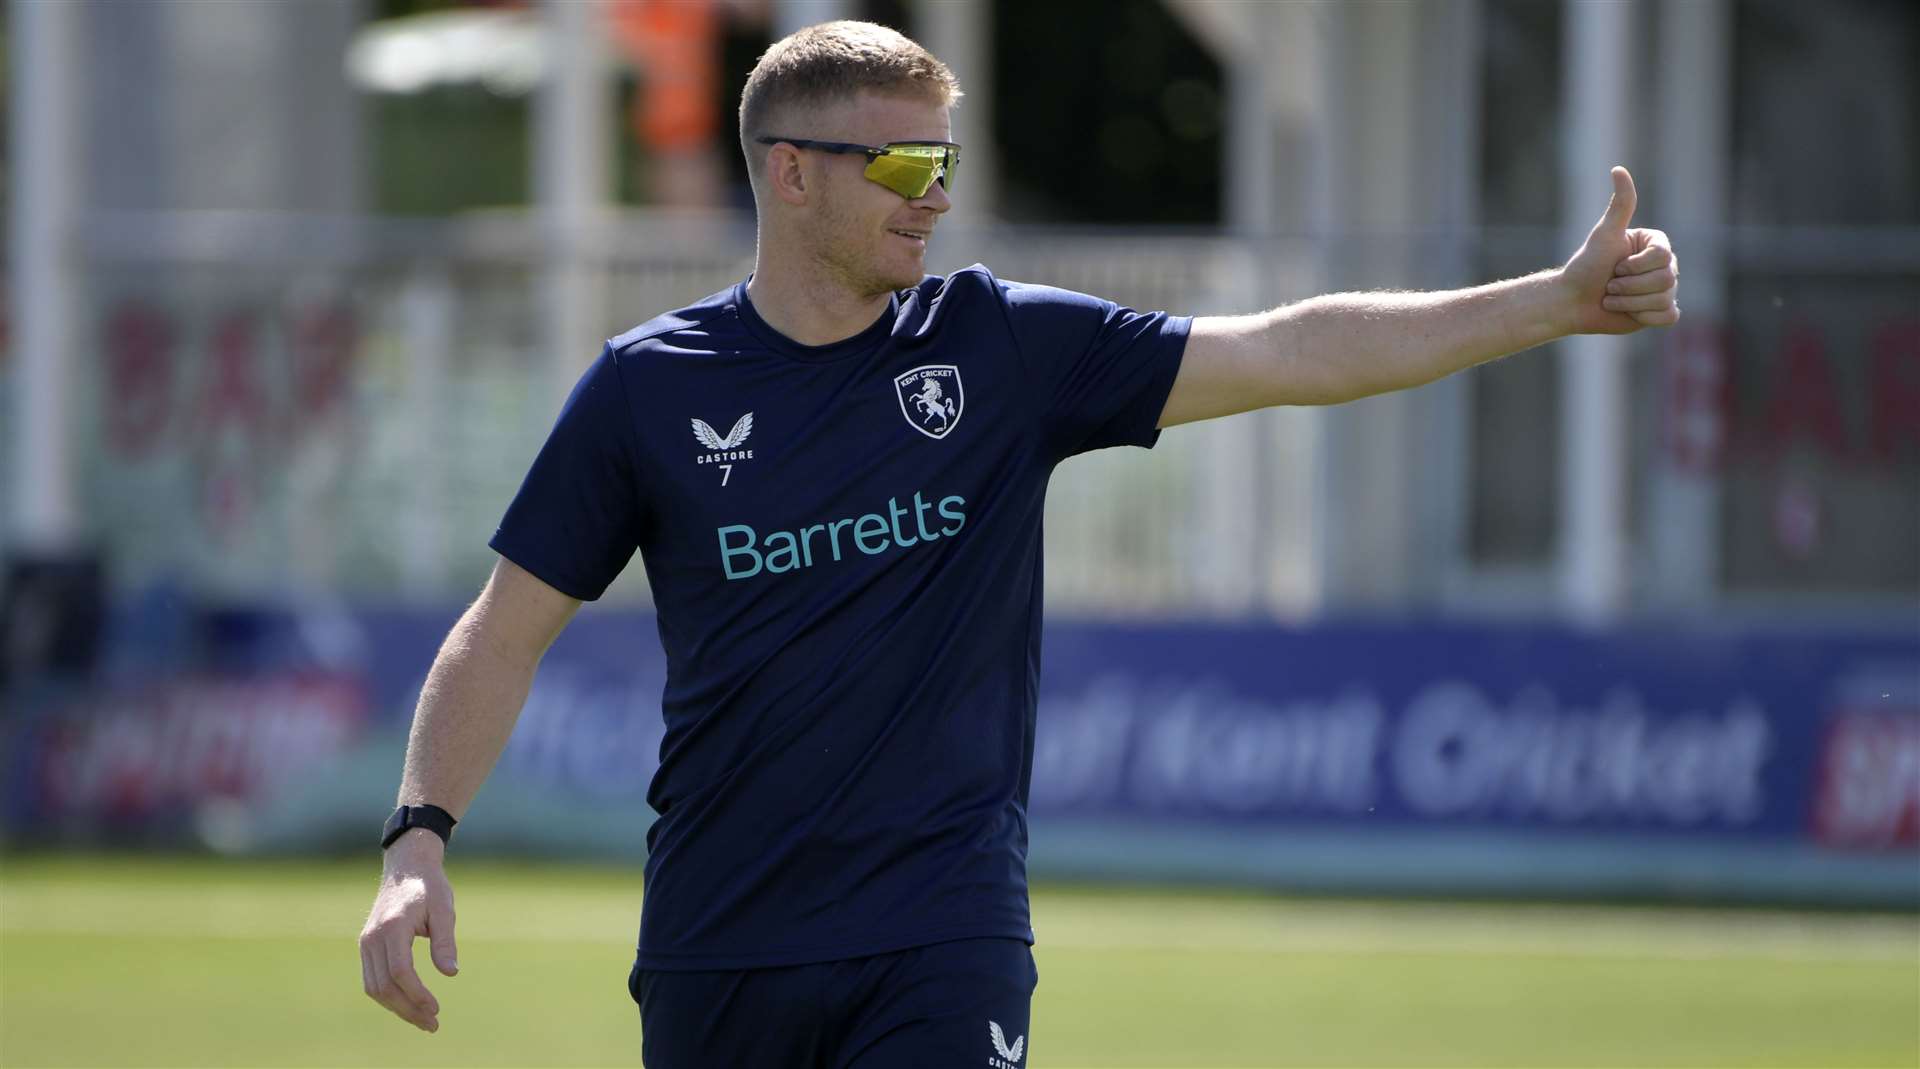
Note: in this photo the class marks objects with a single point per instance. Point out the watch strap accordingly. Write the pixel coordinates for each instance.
(431, 817)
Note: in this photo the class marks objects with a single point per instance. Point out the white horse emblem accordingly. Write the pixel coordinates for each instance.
(931, 398)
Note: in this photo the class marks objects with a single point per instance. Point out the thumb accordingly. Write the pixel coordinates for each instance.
(446, 957)
(1625, 198)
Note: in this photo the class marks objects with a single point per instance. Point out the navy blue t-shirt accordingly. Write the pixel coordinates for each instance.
(844, 547)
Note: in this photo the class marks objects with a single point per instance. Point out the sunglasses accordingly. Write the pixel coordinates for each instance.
(909, 168)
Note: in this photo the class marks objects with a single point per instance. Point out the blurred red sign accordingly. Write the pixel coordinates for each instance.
(132, 755)
(1869, 790)
(1854, 415)
(1696, 397)
(261, 373)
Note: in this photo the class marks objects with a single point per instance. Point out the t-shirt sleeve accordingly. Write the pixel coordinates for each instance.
(1101, 372)
(577, 518)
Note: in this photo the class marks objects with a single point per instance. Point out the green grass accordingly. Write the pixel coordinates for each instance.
(143, 962)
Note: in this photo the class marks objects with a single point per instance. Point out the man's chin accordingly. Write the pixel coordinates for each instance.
(882, 283)
(884, 275)
(906, 276)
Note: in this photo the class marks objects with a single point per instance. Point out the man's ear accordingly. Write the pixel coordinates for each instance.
(786, 174)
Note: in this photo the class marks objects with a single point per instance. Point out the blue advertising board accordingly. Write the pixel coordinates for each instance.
(1764, 764)
(1500, 727)
(1432, 757)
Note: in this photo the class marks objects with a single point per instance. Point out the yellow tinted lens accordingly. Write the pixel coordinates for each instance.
(907, 175)
(912, 169)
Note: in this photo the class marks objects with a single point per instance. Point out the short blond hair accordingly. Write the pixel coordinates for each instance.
(829, 63)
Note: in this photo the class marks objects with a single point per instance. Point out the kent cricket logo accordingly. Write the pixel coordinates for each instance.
(931, 398)
(744, 554)
(724, 451)
(1005, 1057)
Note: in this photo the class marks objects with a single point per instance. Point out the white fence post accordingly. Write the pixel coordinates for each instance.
(1593, 383)
(41, 274)
(1683, 518)
(570, 180)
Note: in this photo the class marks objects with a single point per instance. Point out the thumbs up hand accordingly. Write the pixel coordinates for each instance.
(1622, 279)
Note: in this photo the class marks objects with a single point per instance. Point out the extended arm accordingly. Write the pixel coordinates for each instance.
(467, 709)
(1351, 345)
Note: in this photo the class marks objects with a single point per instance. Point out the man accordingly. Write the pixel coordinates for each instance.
(848, 579)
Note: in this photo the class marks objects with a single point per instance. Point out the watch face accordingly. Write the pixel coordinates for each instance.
(396, 824)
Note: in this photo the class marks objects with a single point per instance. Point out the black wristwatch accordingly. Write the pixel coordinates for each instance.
(431, 817)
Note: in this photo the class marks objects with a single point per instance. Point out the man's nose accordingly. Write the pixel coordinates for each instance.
(935, 199)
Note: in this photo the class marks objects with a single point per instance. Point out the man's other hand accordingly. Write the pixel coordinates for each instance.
(1622, 279)
(414, 900)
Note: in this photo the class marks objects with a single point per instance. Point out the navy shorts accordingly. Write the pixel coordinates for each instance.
(962, 1003)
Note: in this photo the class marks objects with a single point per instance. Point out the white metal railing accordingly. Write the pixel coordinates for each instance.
(299, 405)
(277, 403)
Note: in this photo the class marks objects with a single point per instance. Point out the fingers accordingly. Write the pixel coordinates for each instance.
(1657, 254)
(1625, 199)
(373, 972)
(1646, 284)
(1643, 302)
(367, 981)
(384, 991)
(446, 956)
(410, 998)
(386, 973)
(400, 968)
(1653, 281)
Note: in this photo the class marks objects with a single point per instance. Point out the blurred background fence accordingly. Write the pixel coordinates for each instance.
(296, 405)
(295, 291)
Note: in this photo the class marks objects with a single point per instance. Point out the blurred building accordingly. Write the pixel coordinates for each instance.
(327, 268)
